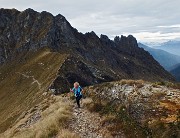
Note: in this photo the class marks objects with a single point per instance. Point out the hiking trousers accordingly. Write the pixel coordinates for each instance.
(78, 98)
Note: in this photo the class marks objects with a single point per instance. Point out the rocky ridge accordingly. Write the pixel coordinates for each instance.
(21, 32)
(147, 109)
(144, 101)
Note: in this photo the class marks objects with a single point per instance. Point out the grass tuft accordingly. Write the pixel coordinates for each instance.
(137, 83)
(65, 133)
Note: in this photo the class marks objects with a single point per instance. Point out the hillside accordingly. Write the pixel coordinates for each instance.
(121, 58)
(176, 72)
(23, 83)
(39, 51)
(171, 47)
(124, 108)
(167, 60)
(137, 108)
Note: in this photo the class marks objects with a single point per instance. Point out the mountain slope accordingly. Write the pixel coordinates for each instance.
(126, 108)
(39, 51)
(176, 72)
(171, 47)
(121, 58)
(23, 83)
(167, 60)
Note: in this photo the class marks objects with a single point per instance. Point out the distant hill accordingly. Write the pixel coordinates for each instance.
(175, 66)
(176, 72)
(166, 59)
(171, 47)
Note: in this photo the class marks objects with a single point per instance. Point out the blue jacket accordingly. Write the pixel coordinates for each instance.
(77, 92)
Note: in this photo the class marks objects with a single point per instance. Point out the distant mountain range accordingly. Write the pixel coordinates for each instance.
(172, 46)
(166, 59)
(176, 72)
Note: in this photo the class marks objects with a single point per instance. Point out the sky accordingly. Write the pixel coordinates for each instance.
(147, 20)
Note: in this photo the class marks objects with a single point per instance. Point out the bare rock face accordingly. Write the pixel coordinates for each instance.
(21, 32)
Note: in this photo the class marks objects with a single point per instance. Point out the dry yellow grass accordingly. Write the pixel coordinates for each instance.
(53, 122)
(87, 101)
(138, 83)
(65, 133)
(169, 105)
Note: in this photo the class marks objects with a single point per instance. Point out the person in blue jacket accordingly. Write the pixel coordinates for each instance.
(77, 90)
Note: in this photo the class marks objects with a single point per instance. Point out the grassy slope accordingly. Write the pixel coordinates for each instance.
(54, 117)
(18, 93)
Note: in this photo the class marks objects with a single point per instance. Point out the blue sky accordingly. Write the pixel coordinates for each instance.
(147, 20)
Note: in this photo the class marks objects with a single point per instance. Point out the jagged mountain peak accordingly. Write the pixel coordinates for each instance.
(31, 30)
(29, 10)
(91, 34)
(104, 38)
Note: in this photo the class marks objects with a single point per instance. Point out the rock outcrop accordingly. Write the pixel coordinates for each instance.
(143, 100)
(155, 108)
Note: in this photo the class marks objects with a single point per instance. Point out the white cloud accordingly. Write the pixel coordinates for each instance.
(155, 37)
(170, 26)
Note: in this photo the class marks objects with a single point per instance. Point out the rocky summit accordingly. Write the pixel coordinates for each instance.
(39, 51)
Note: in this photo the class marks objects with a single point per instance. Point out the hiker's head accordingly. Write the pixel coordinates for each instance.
(76, 85)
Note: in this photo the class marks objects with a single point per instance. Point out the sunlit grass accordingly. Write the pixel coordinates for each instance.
(53, 122)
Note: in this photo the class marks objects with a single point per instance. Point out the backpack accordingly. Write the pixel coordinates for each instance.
(78, 91)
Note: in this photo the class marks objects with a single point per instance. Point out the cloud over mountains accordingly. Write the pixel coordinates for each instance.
(155, 20)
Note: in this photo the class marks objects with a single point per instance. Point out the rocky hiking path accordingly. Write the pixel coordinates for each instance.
(87, 124)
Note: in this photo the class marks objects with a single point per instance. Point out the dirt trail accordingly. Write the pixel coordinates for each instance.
(87, 124)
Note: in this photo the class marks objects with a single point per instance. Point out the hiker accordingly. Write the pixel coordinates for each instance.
(77, 90)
